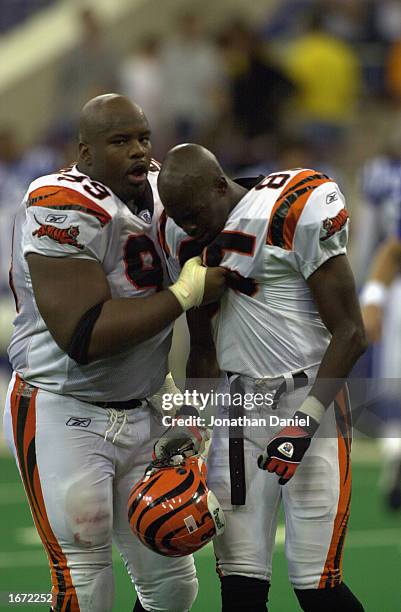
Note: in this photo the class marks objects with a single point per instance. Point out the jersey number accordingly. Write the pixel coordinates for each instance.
(95, 189)
(273, 181)
(236, 242)
(143, 265)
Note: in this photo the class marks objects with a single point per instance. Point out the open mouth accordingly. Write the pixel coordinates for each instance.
(138, 174)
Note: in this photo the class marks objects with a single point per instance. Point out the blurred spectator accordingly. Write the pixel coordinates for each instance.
(379, 223)
(141, 80)
(345, 19)
(259, 88)
(379, 211)
(286, 20)
(327, 72)
(388, 20)
(88, 70)
(17, 169)
(194, 80)
(393, 72)
(11, 192)
(290, 152)
(14, 12)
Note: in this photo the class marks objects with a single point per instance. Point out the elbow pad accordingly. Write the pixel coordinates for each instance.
(78, 346)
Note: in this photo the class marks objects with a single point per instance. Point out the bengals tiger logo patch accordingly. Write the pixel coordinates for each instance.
(66, 235)
(332, 225)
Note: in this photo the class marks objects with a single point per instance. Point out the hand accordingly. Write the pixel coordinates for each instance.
(284, 452)
(180, 441)
(215, 284)
(373, 319)
(168, 389)
(190, 285)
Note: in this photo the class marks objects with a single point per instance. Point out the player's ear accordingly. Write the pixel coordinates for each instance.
(85, 153)
(221, 184)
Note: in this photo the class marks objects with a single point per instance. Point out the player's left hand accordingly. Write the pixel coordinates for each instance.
(180, 441)
(284, 452)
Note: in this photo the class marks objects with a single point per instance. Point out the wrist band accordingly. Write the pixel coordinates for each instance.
(313, 408)
(374, 292)
(190, 285)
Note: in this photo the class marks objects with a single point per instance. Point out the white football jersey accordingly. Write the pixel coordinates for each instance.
(277, 235)
(69, 215)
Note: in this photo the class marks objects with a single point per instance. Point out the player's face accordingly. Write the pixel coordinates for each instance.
(121, 155)
(200, 220)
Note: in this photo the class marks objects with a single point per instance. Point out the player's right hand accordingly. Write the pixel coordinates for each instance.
(189, 288)
(215, 284)
(373, 320)
(198, 285)
(180, 441)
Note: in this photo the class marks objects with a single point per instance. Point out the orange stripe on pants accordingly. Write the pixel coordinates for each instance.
(332, 572)
(23, 411)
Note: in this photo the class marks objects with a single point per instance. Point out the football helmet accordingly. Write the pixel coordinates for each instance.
(172, 511)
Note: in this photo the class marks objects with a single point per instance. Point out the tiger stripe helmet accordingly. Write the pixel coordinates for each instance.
(172, 511)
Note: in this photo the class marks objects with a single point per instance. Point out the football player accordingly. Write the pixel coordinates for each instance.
(89, 352)
(375, 299)
(289, 327)
(379, 223)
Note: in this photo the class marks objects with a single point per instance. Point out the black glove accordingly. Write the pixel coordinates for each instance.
(284, 452)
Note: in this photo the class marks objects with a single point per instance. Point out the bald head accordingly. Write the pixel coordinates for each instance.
(188, 171)
(192, 157)
(196, 192)
(115, 147)
(104, 113)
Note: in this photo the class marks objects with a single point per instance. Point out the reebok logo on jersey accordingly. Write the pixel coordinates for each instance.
(66, 235)
(55, 218)
(287, 449)
(334, 224)
(78, 422)
(331, 197)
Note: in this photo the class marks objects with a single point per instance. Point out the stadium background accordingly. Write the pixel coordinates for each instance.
(242, 78)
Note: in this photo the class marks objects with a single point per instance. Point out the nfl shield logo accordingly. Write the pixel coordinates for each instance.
(286, 449)
(145, 216)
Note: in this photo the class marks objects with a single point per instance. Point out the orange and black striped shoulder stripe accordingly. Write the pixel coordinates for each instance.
(63, 198)
(289, 205)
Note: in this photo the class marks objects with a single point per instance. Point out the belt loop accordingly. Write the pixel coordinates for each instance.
(289, 382)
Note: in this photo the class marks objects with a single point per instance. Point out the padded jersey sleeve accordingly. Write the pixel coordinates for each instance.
(65, 224)
(322, 229)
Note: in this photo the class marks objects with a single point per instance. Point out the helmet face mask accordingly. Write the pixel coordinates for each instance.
(172, 511)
